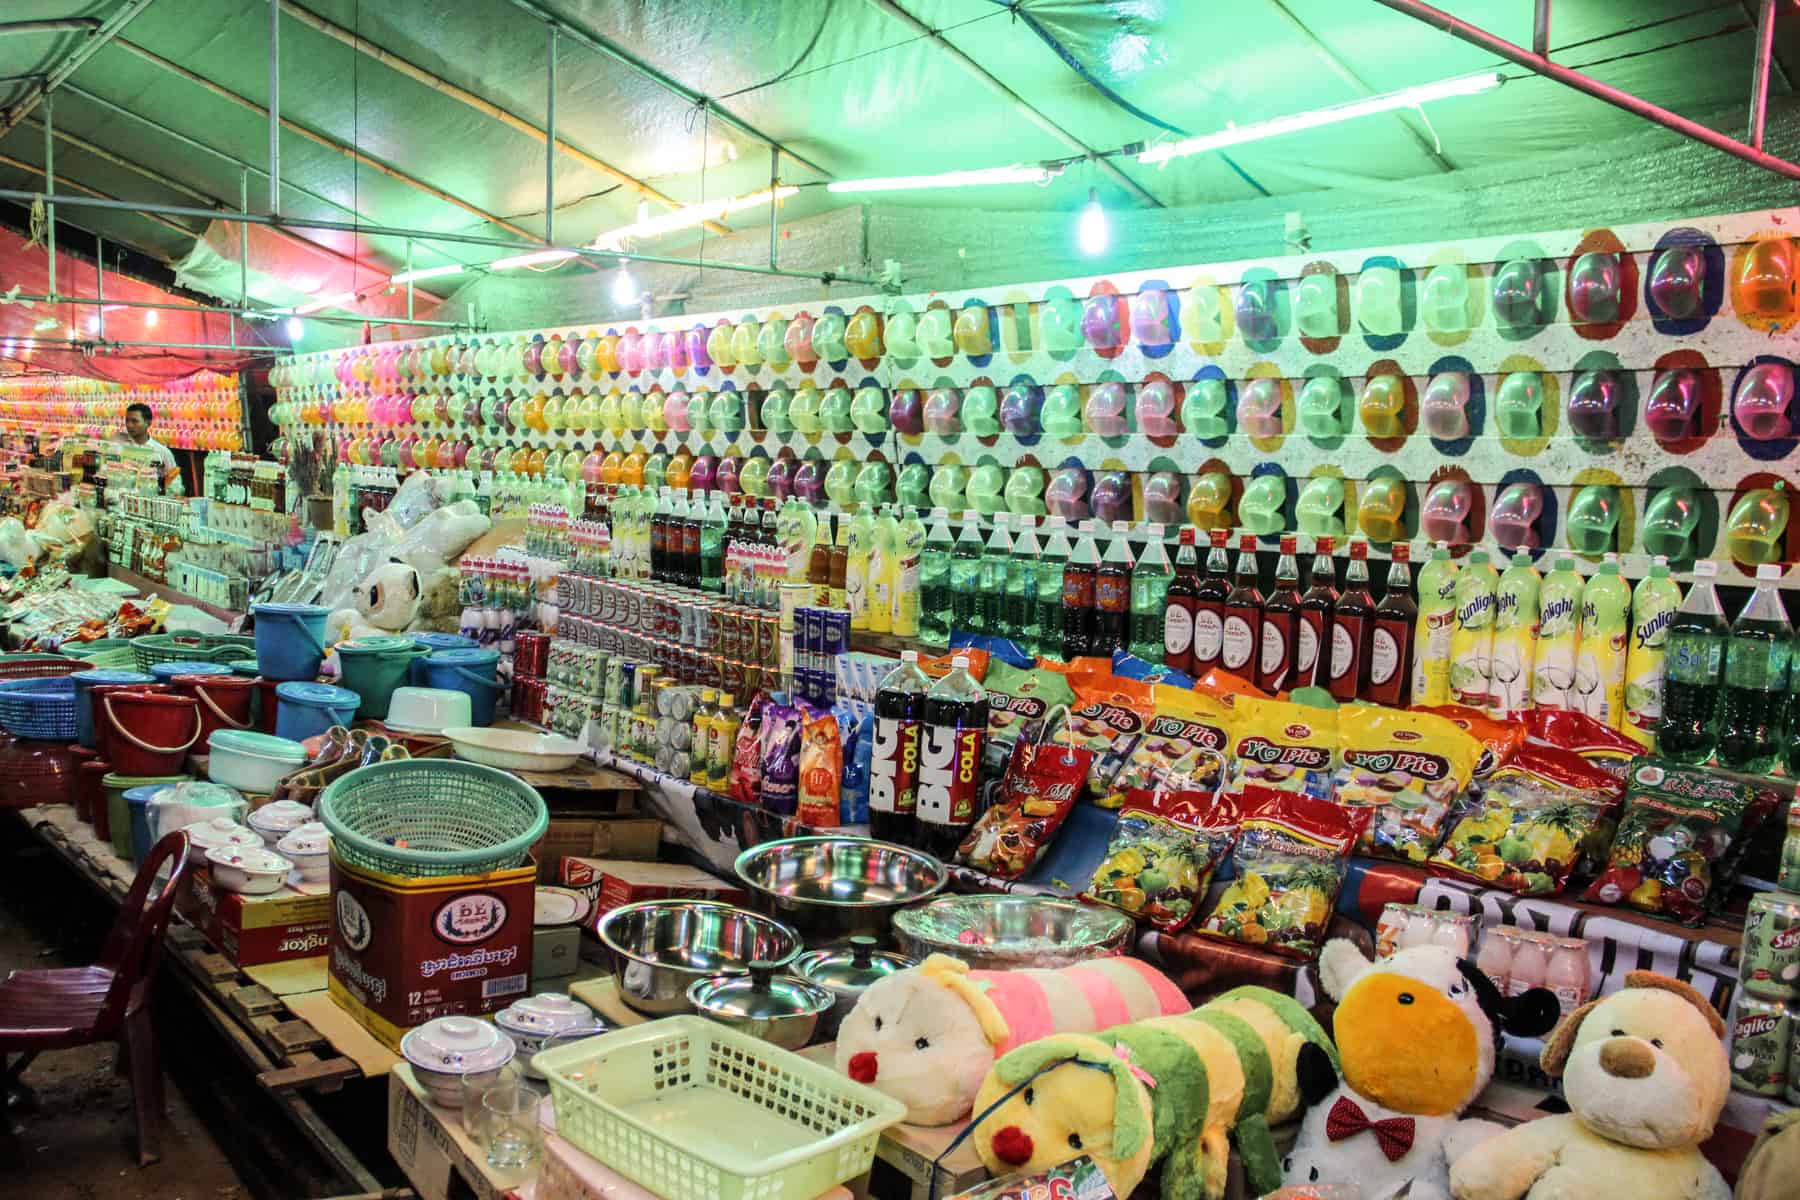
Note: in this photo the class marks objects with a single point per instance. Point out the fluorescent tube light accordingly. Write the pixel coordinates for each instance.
(423, 273)
(535, 258)
(690, 215)
(1017, 173)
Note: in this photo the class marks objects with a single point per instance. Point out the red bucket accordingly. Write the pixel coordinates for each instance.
(268, 703)
(90, 794)
(147, 733)
(94, 694)
(224, 700)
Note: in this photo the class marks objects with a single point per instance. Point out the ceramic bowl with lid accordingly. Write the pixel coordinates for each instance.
(308, 847)
(846, 971)
(215, 833)
(783, 1010)
(446, 1050)
(275, 821)
(251, 870)
(534, 1020)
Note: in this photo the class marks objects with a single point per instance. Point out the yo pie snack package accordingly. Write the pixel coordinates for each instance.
(1163, 853)
(1018, 701)
(1043, 780)
(1292, 853)
(1411, 768)
(1183, 747)
(1499, 739)
(1108, 718)
(1521, 837)
(1596, 741)
(1078, 1179)
(1283, 747)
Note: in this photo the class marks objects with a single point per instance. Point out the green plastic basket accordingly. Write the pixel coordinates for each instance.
(776, 1126)
(102, 653)
(455, 818)
(155, 648)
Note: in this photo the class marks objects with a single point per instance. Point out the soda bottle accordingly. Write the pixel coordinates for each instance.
(909, 558)
(1021, 589)
(1653, 605)
(1183, 602)
(934, 580)
(1431, 633)
(1151, 579)
(818, 564)
(1243, 613)
(1515, 636)
(861, 528)
(1472, 637)
(1112, 593)
(1756, 684)
(1600, 655)
(1209, 607)
(712, 546)
(996, 560)
(1790, 757)
(884, 572)
(704, 716)
(956, 717)
(691, 513)
(1048, 577)
(1694, 672)
(1079, 618)
(1391, 641)
(837, 568)
(894, 762)
(1280, 627)
(1559, 637)
(965, 576)
(659, 538)
(1352, 627)
(1312, 666)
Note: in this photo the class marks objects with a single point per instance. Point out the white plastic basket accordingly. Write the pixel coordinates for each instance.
(694, 1110)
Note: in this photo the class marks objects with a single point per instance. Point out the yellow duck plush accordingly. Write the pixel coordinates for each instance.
(1645, 1075)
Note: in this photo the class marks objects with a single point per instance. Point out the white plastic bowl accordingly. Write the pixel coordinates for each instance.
(514, 749)
(308, 847)
(217, 833)
(247, 869)
(275, 821)
(427, 710)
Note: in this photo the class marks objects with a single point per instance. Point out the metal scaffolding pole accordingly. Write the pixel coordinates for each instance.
(1540, 29)
(1759, 76)
(77, 302)
(274, 108)
(50, 184)
(549, 141)
(91, 345)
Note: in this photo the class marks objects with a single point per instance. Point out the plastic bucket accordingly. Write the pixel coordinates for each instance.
(90, 794)
(85, 683)
(309, 709)
(470, 671)
(225, 700)
(137, 805)
(148, 733)
(290, 640)
(436, 642)
(96, 692)
(166, 672)
(374, 666)
(118, 809)
(268, 704)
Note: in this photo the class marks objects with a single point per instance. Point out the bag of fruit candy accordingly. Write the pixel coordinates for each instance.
(1410, 768)
(1163, 853)
(1290, 862)
(1132, 667)
(1017, 702)
(1677, 849)
(1520, 837)
(1108, 718)
(1593, 740)
(1043, 781)
(1565, 770)
(1500, 740)
(1183, 747)
(1283, 747)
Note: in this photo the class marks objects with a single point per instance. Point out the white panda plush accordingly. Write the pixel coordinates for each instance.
(387, 601)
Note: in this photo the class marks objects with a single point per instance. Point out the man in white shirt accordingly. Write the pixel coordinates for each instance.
(137, 432)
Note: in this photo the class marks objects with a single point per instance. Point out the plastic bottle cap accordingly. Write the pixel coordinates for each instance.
(960, 662)
(911, 656)
(1121, 527)
(1155, 530)
(1769, 571)
(1706, 568)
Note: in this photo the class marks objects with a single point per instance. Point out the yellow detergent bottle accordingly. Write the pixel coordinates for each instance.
(1431, 633)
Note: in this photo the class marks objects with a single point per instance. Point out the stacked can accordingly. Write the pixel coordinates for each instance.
(701, 640)
(819, 636)
(1764, 1033)
(531, 664)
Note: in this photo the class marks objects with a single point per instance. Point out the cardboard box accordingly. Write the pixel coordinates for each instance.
(631, 838)
(555, 952)
(610, 883)
(404, 951)
(253, 930)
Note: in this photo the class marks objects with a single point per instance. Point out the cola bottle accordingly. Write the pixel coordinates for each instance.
(955, 732)
(894, 765)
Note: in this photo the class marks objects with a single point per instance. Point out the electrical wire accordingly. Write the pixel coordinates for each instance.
(824, 18)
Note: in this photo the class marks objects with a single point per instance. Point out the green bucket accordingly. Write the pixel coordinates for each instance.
(118, 810)
(373, 667)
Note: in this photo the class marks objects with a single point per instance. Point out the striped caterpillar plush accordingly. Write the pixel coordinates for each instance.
(1169, 1090)
(927, 1036)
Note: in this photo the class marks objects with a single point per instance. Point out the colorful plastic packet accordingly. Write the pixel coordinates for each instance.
(1132, 667)
(1594, 740)
(997, 648)
(1229, 688)
(1549, 766)
(936, 666)
(1017, 703)
(821, 770)
(1500, 740)
(746, 753)
(1078, 1179)
(1521, 837)
(1684, 831)
(1163, 853)
(1411, 768)
(779, 745)
(1043, 781)
(1183, 747)
(1291, 855)
(1108, 718)
(1283, 747)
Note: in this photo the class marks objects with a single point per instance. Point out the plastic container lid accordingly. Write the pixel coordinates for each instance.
(100, 677)
(458, 1046)
(284, 815)
(291, 610)
(465, 658)
(220, 831)
(248, 858)
(130, 781)
(379, 644)
(443, 641)
(245, 666)
(305, 840)
(166, 671)
(324, 695)
(262, 745)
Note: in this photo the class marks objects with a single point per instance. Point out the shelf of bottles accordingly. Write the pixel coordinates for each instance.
(202, 412)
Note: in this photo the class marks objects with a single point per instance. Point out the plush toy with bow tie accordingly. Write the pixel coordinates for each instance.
(1416, 1035)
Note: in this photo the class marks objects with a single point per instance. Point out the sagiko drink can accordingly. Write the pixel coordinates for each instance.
(1771, 955)
(1760, 1035)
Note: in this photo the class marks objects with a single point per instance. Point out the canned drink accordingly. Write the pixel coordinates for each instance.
(768, 637)
(1760, 1035)
(1793, 1083)
(1771, 954)
(1787, 876)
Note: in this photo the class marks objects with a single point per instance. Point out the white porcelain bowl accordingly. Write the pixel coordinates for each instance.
(533, 1022)
(275, 821)
(308, 847)
(427, 710)
(217, 833)
(514, 749)
(248, 869)
(446, 1051)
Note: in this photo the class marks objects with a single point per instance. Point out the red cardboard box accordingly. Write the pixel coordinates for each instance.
(609, 883)
(404, 951)
(252, 930)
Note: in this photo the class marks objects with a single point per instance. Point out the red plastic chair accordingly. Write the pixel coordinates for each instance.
(61, 1007)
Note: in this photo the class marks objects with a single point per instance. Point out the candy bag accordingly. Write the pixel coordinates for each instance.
(821, 770)
(1130, 666)
(1594, 740)
(1042, 783)
(1078, 1179)
(1163, 853)
(1183, 747)
(746, 753)
(1678, 846)
(1229, 688)
(779, 743)
(1520, 837)
(1283, 747)
(1017, 702)
(936, 666)
(1500, 740)
(1410, 768)
(1549, 766)
(1290, 863)
(859, 756)
(1108, 718)
(998, 649)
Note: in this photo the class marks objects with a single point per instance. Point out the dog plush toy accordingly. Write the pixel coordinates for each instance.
(1416, 1037)
(1169, 1090)
(1645, 1074)
(927, 1036)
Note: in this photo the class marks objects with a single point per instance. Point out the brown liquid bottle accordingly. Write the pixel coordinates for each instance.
(1279, 632)
(1243, 614)
(1390, 648)
(1352, 625)
(1183, 604)
(840, 563)
(1311, 665)
(818, 564)
(1209, 607)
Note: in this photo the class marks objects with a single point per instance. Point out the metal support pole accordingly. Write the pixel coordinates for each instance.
(550, 140)
(274, 108)
(1759, 76)
(1540, 29)
(774, 208)
(50, 185)
(409, 282)
(244, 240)
(161, 305)
(100, 287)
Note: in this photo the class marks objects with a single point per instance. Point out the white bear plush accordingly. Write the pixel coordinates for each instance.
(387, 601)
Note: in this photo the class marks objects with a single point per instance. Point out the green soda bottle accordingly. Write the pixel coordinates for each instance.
(934, 582)
(1020, 619)
(1752, 715)
(1150, 580)
(1049, 579)
(965, 576)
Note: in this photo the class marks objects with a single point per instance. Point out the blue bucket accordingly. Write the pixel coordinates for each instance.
(290, 640)
(435, 642)
(309, 709)
(137, 799)
(166, 671)
(86, 681)
(470, 671)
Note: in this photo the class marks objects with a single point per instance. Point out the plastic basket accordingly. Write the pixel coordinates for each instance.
(156, 648)
(42, 709)
(38, 666)
(105, 653)
(690, 1108)
(455, 818)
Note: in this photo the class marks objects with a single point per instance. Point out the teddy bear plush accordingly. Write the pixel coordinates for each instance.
(386, 601)
(926, 1036)
(1773, 1163)
(1415, 1034)
(1645, 1076)
(1168, 1090)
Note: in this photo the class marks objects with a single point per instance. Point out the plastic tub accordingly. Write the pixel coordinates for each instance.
(290, 640)
(374, 666)
(435, 642)
(167, 671)
(427, 710)
(85, 683)
(137, 805)
(225, 700)
(118, 809)
(148, 733)
(251, 762)
(309, 709)
(470, 671)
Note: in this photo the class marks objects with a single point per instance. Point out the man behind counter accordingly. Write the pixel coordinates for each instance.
(137, 432)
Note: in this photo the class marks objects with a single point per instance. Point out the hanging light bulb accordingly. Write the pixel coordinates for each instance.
(150, 318)
(296, 328)
(625, 288)
(1092, 231)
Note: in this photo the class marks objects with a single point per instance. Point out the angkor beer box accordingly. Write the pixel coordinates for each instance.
(252, 930)
(612, 883)
(404, 951)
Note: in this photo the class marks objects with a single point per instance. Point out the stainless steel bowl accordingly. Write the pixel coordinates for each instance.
(830, 888)
(783, 1010)
(659, 948)
(997, 933)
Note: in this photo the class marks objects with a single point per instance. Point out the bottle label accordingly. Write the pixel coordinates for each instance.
(1694, 658)
(1274, 649)
(949, 770)
(1345, 634)
(1178, 631)
(1112, 593)
(1078, 590)
(1209, 635)
(1237, 642)
(1306, 650)
(894, 766)
(1384, 656)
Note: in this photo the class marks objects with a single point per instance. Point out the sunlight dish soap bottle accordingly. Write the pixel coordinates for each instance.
(1431, 636)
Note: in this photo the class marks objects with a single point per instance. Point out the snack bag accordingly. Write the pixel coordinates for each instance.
(1410, 768)
(1520, 837)
(1183, 747)
(1290, 863)
(821, 770)
(1677, 849)
(1229, 688)
(1500, 740)
(859, 754)
(1283, 747)
(1108, 718)
(779, 745)
(1594, 740)
(1043, 781)
(1163, 853)
(1017, 703)
(1078, 1179)
(998, 649)
(1130, 666)
(746, 754)
(939, 665)
(1554, 768)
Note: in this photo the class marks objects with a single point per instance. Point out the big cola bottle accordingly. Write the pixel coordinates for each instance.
(955, 730)
(894, 765)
